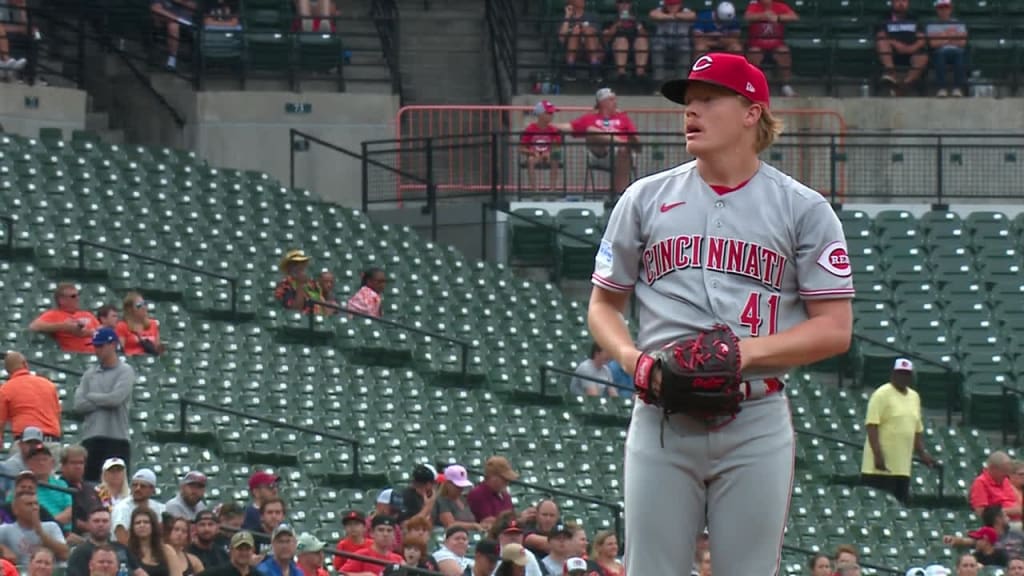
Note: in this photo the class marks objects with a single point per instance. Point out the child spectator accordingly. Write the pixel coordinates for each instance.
(367, 299)
(108, 316)
(538, 142)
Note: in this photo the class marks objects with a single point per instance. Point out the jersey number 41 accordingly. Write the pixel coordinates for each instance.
(752, 318)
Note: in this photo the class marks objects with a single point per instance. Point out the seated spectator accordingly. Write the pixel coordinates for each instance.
(967, 565)
(354, 524)
(189, 500)
(846, 554)
(113, 487)
(310, 552)
(28, 532)
(325, 282)
(97, 535)
(418, 527)
(451, 508)
(704, 563)
(766, 37)
(316, 16)
(514, 561)
(900, 42)
(241, 557)
(579, 32)
(1015, 567)
(280, 560)
(536, 533)
(208, 544)
(625, 34)
(30, 440)
(414, 550)
(6, 62)
(154, 556)
(24, 483)
(605, 553)
(85, 498)
(993, 486)
(272, 515)
(419, 498)
(820, 565)
(103, 562)
(28, 400)
(172, 14)
(619, 375)
(70, 326)
(263, 486)
(176, 535)
(594, 367)
(41, 562)
(671, 41)
(611, 137)
(389, 503)
(486, 555)
(367, 300)
(451, 557)
(108, 316)
(230, 517)
(139, 334)
(717, 31)
(558, 549)
(538, 141)
(123, 515)
(382, 534)
(490, 497)
(296, 291)
(947, 39)
(511, 534)
(222, 15)
(1006, 543)
(57, 503)
(575, 566)
(847, 569)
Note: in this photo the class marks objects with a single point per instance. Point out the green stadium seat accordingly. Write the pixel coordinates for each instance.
(268, 51)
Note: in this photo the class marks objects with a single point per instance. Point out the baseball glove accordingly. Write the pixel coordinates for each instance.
(700, 376)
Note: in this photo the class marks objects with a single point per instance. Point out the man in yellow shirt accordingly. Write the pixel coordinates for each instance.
(893, 434)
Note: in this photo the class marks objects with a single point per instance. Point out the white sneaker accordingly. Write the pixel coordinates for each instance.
(942, 93)
(957, 93)
(788, 91)
(7, 64)
(18, 64)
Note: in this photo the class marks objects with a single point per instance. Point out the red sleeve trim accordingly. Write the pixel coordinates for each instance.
(829, 292)
(609, 284)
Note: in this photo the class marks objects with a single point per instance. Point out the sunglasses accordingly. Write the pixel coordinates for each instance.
(140, 304)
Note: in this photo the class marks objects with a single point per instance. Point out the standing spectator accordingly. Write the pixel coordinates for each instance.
(311, 555)
(176, 535)
(993, 487)
(451, 508)
(155, 557)
(578, 32)
(113, 486)
(281, 559)
(326, 283)
(28, 532)
(123, 515)
(28, 400)
(208, 545)
(263, 486)
(625, 34)
(490, 497)
(139, 333)
(765, 36)
(717, 31)
(947, 38)
(69, 325)
(367, 300)
(900, 42)
(241, 555)
(30, 440)
(611, 137)
(605, 553)
(594, 367)
(296, 291)
(108, 316)
(272, 515)
(894, 431)
(820, 565)
(57, 503)
(97, 535)
(103, 397)
(189, 500)
(538, 141)
(535, 536)
(85, 498)
(672, 24)
(354, 523)
(452, 557)
(558, 549)
(383, 542)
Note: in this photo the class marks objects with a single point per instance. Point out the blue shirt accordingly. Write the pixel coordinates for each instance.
(269, 567)
(707, 24)
(619, 376)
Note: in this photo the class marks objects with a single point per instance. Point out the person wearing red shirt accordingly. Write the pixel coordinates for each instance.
(993, 487)
(383, 535)
(354, 523)
(538, 141)
(70, 326)
(28, 400)
(610, 134)
(765, 36)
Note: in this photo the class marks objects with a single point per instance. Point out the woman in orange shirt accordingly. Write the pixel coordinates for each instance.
(139, 333)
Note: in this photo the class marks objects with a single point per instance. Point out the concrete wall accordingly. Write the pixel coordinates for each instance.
(57, 108)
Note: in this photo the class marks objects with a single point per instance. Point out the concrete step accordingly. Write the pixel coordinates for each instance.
(97, 121)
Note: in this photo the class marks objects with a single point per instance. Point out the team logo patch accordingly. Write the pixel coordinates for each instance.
(835, 260)
(702, 63)
(604, 258)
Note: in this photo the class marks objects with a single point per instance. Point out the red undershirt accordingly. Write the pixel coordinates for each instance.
(723, 190)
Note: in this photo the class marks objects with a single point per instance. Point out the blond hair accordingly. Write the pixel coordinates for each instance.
(768, 129)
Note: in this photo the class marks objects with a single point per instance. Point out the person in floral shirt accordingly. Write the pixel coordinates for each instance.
(367, 299)
(297, 291)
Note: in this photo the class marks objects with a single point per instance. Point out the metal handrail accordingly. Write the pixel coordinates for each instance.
(81, 242)
(544, 369)
(47, 485)
(54, 367)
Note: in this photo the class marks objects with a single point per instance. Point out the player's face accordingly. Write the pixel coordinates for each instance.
(717, 120)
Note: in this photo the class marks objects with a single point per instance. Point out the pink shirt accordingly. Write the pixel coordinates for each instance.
(366, 301)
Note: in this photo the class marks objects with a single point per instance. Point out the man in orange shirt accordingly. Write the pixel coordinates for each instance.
(28, 400)
(69, 325)
(993, 488)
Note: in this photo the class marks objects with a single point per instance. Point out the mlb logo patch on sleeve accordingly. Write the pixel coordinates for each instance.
(604, 258)
(835, 260)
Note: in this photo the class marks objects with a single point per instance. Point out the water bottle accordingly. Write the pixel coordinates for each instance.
(123, 570)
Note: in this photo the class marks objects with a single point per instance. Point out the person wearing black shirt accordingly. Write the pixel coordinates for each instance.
(419, 498)
(901, 43)
(241, 555)
(97, 534)
(208, 545)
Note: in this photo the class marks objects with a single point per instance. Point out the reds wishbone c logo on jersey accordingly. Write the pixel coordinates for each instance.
(835, 260)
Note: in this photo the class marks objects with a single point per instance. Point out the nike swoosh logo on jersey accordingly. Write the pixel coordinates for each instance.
(670, 205)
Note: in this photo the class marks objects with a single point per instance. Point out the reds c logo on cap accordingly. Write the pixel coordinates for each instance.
(702, 63)
(835, 260)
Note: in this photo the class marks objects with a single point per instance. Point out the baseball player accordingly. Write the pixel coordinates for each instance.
(740, 273)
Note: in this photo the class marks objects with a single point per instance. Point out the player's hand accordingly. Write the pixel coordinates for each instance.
(880, 463)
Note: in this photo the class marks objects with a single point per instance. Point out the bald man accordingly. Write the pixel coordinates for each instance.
(993, 487)
(28, 400)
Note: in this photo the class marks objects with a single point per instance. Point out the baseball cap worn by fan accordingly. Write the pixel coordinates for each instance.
(31, 434)
(544, 107)
(457, 475)
(309, 543)
(943, 3)
(385, 496)
(512, 528)
(355, 516)
(112, 463)
(515, 554)
(730, 71)
(194, 477)
(242, 538)
(259, 479)
(281, 529)
(903, 365)
(382, 520)
(604, 94)
(499, 466)
(104, 336)
(937, 570)
(985, 533)
(424, 474)
(145, 475)
(575, 566)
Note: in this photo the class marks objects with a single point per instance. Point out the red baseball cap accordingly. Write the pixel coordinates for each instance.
(729, 71)
(985, 533)
(262, 479)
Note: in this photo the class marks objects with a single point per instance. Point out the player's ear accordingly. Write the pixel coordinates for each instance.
(753, 114)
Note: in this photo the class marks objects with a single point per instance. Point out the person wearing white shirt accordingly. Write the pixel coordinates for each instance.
(452, 557)
(143, 488)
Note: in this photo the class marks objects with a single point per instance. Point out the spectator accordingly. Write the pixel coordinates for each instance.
(900, 42)
(820, 565)
(1015, 567)
(154, 557)
(113, 487)
(1017, 478)
(605, 553)
(281, 559)
(41, 562)
(230, 517)
(222, 15)
(208, 544)
(389, 503)
(367, 300)
(123, 515)
(578, 32)
(103, 562)
(967, 565)
(108, 316)
(296, 291)
(326, 283)
(31, 439)
(311, 555)
(514, 561)
(6, 62)
(993, 486)
(625, 34)
(451, 508)
(766, 37)
(102, 398)
(671, 38)
(619, 375)
(383, 542)
(189, 500)
(415, 553)
(354, 524)
(97, 535)
(894, 429)
(57, 503)
(995, 527)
(139, 334)
(28, 400)
(420, 497)
(537, 143)
(24, 483)
(511, 534)
(575, 567)
(451, 557)
(610, 134)
(419, 527)
(485, 558)
(70, 326)
(263, 486)
(272, 515)
(316, 16)
(596, 366)
(846, 554)
(848, 569)
(85, 498)
(703, 544)
(704, 563)
(172, 14)
(28, 532)
(558, 549)
(717, 31)
(241, 556)
(176, 535)
(947, 38)
(491, 497)
(535, 536)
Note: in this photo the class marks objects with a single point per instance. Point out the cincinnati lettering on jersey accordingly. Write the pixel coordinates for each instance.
(726, 255)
